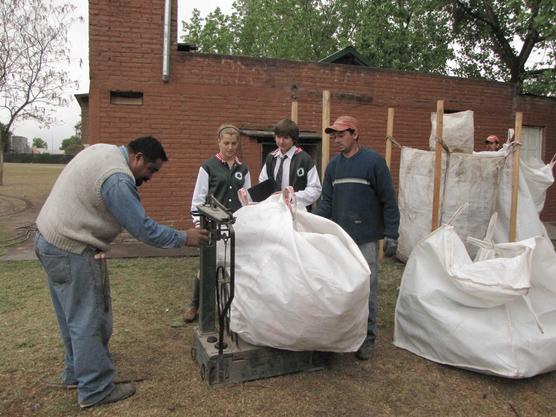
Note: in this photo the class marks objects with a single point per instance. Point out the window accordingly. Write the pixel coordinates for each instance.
(130, 98)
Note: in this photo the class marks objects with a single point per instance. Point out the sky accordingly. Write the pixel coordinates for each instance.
(67, 117)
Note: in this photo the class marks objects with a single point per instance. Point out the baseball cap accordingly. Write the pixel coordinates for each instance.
(342, 123)
(492, 139)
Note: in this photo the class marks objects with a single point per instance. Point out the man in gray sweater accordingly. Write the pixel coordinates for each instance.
(94, 197)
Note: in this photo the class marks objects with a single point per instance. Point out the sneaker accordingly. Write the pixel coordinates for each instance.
(190, 315)
(365, 351)
(121, 392)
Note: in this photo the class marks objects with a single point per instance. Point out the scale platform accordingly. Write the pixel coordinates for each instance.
(232, 361)
(242, 361)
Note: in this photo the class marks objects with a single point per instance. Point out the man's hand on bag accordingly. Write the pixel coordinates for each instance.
(196, 236)
(390, 247)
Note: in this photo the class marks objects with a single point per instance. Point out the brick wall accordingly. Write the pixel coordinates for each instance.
(207, 90)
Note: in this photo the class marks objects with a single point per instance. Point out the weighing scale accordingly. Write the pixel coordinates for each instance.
(223, 357)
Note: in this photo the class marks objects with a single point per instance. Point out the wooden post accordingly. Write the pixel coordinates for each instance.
(437, 165)
(325, 137)
(389, 134)
(388, 158)
(294, 111)
(515, 175)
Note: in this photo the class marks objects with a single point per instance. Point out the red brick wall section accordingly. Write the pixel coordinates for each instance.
(85, 122)
(207, 90)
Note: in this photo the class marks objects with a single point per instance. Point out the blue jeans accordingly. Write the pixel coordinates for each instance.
(370, 253)
(84, 316)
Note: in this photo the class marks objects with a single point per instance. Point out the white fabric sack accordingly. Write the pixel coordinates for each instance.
(470, 179)
(300, 284)
(457, 131)
(539, 176)
(488, 316)
(534, 179)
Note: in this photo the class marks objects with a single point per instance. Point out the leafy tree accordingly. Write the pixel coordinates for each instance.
(402, 34)
(72, 140)
(33, 42)
(77, 128)
(73, 149)
(497, 38)
(39, 143)
(6, 134)
(469, 38)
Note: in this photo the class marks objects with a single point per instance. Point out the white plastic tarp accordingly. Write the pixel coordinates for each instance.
(300, 283)
(469, 179)
(496, 316)
(457, 132)
(534, 179)
(484, 180)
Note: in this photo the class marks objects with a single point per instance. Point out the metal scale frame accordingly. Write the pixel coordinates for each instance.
(222, 356)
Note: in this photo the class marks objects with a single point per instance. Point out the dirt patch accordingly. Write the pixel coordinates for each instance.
(11, 205)
(25, 189)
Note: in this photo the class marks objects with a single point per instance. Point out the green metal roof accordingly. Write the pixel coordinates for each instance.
(348, 56)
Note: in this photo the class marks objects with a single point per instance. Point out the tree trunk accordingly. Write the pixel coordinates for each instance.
(2, 166)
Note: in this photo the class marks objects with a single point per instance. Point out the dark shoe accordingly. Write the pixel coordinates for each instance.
(190, 315)
(365, 351)
(121, 392)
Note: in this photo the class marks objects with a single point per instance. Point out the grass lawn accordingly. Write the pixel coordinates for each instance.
(148, 295)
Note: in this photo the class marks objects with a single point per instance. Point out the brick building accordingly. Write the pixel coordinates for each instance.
(128, 98)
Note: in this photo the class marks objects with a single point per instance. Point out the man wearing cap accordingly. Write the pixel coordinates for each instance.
(291, 165)
(358, 195)
(492, 143)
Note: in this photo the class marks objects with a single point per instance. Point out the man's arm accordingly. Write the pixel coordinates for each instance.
(313, 189)
(324, 207)
(387, 196)
(122, 200)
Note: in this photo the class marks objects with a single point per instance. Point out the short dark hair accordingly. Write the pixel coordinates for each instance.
(287, 128)
(150, 147)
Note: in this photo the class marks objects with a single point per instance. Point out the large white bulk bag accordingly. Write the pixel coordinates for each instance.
(300, 283)
(457, 133)
(496, 316)
(539, 176)
(534, 179)
(468, 179)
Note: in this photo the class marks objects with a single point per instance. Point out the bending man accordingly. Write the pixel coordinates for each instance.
(93, 198)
